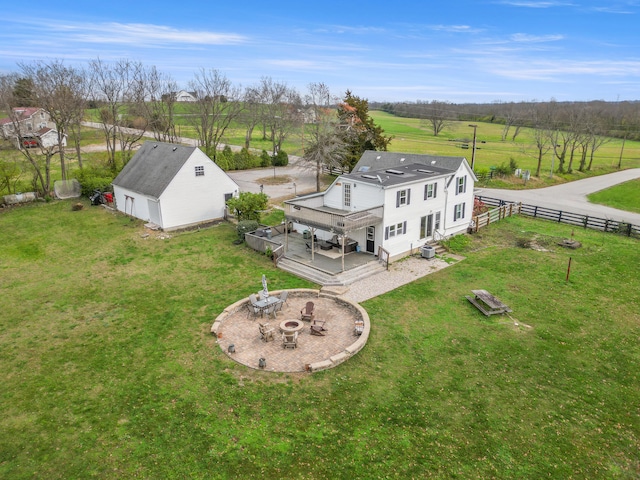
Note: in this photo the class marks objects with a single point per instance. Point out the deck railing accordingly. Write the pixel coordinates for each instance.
(342, 223)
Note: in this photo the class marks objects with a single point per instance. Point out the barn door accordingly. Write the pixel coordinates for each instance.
(154, 212)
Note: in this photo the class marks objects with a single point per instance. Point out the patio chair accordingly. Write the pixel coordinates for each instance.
(266, 332)
(252, 310)
(308, 312)
(289, 340)
(270, 309)
(317, 327)
(251, 306)
(277, 307)
(283, 296)
(308, 245)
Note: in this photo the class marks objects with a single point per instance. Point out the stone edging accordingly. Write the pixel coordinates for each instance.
(307, 292)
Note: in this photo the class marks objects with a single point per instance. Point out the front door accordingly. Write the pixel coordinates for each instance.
(371, 239)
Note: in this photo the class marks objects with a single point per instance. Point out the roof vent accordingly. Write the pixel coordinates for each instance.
(175, 148)
(402, 159)
(378, 157)
(433, 162)
(155, 146)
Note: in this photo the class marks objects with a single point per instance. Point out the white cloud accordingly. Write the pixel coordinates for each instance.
(526, 38)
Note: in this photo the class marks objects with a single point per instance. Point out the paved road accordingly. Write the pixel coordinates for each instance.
(572, 196)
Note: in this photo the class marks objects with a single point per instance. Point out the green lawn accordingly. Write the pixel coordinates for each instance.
(109, 369)
(625, 196)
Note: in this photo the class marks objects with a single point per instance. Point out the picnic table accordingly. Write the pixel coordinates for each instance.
(487, 303)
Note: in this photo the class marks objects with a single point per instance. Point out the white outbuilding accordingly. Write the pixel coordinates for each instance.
(173, 186)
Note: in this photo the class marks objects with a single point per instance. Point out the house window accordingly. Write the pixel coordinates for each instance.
(395, 230)
(347, 194)
(458, 212)
(403, 197)
(461, 186)
(42, 115)
(29, 127)
(199, 170)
(430, 190)
(437, 222)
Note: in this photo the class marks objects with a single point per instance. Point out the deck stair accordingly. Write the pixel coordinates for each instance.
(327, 279)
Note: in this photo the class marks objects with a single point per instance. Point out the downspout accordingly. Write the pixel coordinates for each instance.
(446, 204)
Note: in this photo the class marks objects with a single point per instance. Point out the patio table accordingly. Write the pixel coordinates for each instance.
(265, 303)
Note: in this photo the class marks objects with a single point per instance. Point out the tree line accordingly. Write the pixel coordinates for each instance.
(571, 131)
(128, 100)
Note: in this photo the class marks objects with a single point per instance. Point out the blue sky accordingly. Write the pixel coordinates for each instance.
(456, 51)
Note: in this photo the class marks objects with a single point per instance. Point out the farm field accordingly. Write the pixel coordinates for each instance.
(110, 370)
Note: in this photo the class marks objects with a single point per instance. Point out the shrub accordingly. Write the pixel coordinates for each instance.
(281, 159)
(265, 159)
(246, 226)
(93, 178)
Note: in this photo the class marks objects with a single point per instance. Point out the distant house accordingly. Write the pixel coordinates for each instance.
(184, 96)
(25, 120)
(173, 186)
(395, 201)
(45, 137)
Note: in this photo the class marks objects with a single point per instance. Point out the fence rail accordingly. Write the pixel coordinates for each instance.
(495, 215)
(560, 216)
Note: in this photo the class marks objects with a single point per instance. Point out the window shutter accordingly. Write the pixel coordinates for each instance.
(408, 196)
(435, 189)
(386, 233)
(425, 191)
(462, 211)
(404, 227)
(397, 199)
(464, 189)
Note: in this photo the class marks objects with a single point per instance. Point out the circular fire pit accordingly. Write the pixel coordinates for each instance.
(290, 326)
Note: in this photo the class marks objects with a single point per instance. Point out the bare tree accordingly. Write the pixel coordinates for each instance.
(438, 115)
(282, 110)
(252, 113)
(327, 145)
(218, 103)
(59, 90)
(17, 131)
(120, 88)
(541, 135)
(160, 105)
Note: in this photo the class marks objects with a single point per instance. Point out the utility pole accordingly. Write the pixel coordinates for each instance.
(473, 152)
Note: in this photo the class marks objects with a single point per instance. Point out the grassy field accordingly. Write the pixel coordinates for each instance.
(412, 136)
(625, 196)
(109, 369)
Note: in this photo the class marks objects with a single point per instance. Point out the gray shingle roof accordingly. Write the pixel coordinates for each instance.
(382, 160)
(153, 167)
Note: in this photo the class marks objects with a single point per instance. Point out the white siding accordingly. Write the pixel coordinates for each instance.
(191, 199)
(363, 195)
(132, 203)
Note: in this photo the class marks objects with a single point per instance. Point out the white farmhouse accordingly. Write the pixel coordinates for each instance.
(395, 201)
(173, 186)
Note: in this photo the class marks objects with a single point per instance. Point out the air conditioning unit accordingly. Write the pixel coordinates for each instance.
(427, 251)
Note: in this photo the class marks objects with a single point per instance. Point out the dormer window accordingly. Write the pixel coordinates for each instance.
(199, 170)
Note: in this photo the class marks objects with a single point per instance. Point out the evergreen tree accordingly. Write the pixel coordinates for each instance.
(360, 131)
